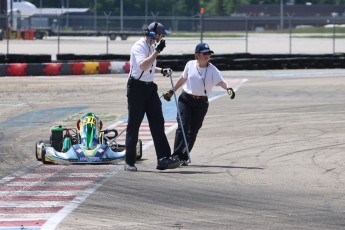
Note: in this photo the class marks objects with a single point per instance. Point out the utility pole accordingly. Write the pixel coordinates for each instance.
(67, 14)
(95, 15)
(202, 11)
(334, 15)
(121, 15)
(107, 27)
(41, 12)
(281, 14)
(146, 12)
(11, 14)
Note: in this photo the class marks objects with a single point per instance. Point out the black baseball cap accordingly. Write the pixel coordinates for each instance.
(203, 48)
(157, 27)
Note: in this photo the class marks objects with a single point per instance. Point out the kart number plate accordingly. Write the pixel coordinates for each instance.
(90, 159)
(89, 120)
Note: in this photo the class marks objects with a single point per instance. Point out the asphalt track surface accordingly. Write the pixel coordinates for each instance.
(273, 158)
(270, 159)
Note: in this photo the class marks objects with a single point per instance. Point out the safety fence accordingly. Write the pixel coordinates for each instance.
(59, 23)
(245, 27)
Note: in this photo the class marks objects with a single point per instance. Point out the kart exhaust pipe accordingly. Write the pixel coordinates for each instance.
(179, 116)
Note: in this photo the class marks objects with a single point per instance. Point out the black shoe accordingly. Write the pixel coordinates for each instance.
(184, 160)
(167, 163)
(175, 157)
(131, 168)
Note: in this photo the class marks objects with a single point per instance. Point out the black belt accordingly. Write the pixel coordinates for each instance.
(196, 97)
(141, 82)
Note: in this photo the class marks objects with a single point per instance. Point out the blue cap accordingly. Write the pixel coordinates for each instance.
(203, 48)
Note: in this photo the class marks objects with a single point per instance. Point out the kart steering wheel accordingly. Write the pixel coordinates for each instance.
(107, 131)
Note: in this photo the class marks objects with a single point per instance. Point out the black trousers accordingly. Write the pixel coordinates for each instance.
(143, 99)
(193, 112)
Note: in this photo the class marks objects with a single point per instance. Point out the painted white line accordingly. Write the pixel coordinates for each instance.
(20, 104)
(287, 73)
(57, 218)
(44, 175)
(116, 124)
(167, 131)
(23, 217)
(32, 204)
(39, 193)
(19, 173)
(235, 87)
(238, 85)
(47, 183)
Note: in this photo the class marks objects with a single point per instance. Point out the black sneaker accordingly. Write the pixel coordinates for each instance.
(175, 156)
(167, 163)
(184, 160)
(131, 168)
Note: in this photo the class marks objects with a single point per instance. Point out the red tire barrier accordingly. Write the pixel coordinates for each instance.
(104, 68)
(126, 67)
(52, 69)
(56, 69)
(77, 68)
(17, 69)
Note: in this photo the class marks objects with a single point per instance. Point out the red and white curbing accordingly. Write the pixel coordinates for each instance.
(36, 198)
(58, 69)
(144, 131)
(39, 197)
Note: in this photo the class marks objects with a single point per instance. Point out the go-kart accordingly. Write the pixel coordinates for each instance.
(87, 143)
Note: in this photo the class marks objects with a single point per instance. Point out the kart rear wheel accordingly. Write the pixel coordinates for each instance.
(36, 151)
(139, 149)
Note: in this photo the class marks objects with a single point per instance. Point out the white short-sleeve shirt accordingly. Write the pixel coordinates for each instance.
(200, 81)
(141, 50)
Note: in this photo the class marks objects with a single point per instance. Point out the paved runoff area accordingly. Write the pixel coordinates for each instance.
(272, 158)
(255, 44)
